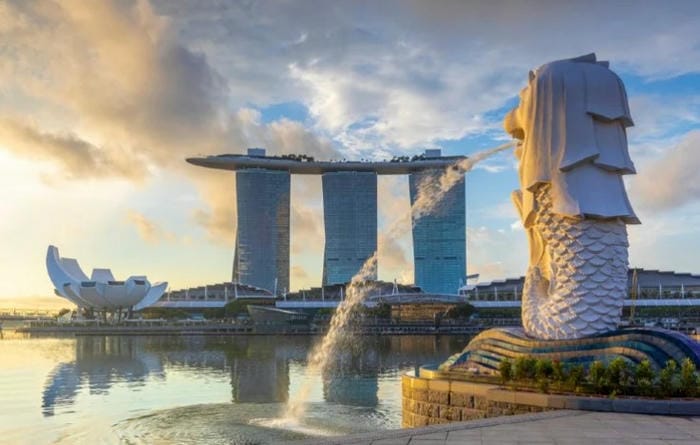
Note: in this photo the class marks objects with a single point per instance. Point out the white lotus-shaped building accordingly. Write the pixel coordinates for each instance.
(101, 291)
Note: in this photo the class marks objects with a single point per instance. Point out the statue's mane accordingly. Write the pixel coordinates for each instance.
(573, 117)
(578, 113)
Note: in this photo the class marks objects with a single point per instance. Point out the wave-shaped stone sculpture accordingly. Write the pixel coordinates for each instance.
(489, 348)
(101, 291)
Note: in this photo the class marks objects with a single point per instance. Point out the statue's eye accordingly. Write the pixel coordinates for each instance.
(531, 75)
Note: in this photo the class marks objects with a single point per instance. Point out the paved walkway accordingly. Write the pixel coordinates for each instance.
(549, 428)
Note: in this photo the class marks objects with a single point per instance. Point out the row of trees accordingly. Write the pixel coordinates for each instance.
(619, 377)
(300, 157)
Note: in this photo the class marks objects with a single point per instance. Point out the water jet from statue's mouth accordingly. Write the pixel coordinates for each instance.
(427, 202)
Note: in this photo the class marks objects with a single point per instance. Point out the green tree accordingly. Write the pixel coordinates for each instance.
(382, 310)
(462, 310)
(214, 313)
(543, 368)
(688, 378)
(543, 372)
(63, 312)
(558, 372)
(597, 376)
(506, 370)
(667, 379)
(576, 377)
(524, 368)
(618, 374)
(644, 378)
(236, 307)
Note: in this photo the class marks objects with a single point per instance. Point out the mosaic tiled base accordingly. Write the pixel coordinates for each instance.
(487, 349)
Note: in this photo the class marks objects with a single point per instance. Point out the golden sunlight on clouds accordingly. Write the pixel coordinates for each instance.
(148, 230)
(395, 249)
(671, 180)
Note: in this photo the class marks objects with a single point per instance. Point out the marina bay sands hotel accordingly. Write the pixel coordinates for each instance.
(349, 214)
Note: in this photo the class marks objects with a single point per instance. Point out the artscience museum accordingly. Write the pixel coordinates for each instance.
(101, 291)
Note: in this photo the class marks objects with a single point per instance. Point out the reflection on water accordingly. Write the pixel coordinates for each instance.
(99, 363)
(138, 389)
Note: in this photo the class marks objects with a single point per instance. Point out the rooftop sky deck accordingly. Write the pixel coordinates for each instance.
(312, 167)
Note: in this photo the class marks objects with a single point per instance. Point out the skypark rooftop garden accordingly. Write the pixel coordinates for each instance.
(307, 165)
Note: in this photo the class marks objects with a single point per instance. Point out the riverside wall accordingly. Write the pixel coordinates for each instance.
(435, 401)
(431, 400)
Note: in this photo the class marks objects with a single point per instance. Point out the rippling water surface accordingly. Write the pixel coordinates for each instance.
(199, 389)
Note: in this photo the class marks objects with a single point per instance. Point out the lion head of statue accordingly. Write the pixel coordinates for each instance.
(571, 123)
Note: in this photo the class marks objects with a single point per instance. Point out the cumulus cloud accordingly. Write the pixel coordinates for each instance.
(400, 75)
(76, 158)
(670, 181)
(137, 102)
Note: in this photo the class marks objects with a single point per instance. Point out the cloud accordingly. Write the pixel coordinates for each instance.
(300, 276)
(496, 253)
(657, 117)
(148, 230)
(670, 181)
(308, 232)
(138, 103)
(125, 89)
(75, 157)
(403, 75)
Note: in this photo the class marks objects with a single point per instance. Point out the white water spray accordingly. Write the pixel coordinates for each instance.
(430, 194)
(319, 357)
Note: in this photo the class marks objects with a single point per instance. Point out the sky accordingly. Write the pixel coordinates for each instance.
(101, 102)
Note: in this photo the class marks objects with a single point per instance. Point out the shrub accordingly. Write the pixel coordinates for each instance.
(236, 307)
(506, 370)
(63, 312)
(667, 379)
(460, 311)
(558, 373)
(617, 374)
(543, 369)
(597, 376)
(576, 377)
(688, 378)
(524, 368)
(644, 378)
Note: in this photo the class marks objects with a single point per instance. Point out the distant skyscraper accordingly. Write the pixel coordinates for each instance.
(350, 218)
(262, 236)
(439, 239)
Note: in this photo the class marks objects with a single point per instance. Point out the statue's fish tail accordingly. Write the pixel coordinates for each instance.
(586, 275)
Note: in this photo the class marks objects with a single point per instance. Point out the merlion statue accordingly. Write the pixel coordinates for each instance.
(570, 129)
(572, 153)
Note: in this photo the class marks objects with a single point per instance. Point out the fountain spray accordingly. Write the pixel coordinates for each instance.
(429, 197)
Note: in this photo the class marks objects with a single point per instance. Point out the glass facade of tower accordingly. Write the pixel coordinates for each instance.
(350, 218)
(262, 235)
(439, 238)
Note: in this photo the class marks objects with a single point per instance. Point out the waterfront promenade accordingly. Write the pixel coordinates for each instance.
(564, 427)
(190, 327)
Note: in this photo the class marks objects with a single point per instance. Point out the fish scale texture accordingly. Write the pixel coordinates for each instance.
(587, 260)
